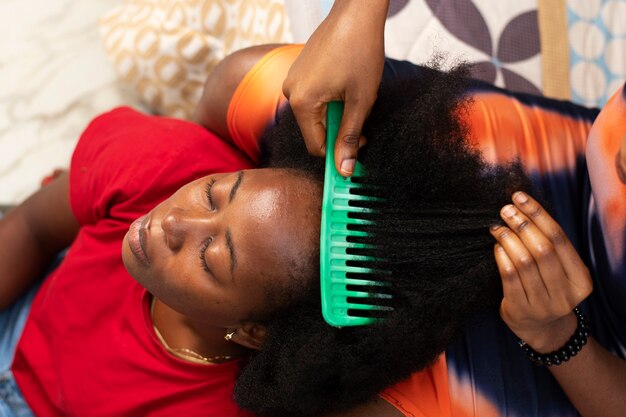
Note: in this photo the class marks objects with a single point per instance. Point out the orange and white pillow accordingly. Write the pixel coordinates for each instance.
(164, 49)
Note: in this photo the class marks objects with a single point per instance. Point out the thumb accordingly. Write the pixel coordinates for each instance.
(349, 138)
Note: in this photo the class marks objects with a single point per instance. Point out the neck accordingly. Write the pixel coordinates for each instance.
(179, 331)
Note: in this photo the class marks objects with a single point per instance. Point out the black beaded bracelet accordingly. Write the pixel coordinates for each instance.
(570, 349)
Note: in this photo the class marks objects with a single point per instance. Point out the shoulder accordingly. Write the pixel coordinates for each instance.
(255, 102)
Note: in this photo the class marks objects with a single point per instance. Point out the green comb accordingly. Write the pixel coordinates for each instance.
(346, 290)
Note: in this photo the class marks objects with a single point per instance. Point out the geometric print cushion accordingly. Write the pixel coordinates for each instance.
(499, 38)
(164, 49)
(567, 49)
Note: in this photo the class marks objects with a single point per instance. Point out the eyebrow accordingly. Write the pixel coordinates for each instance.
(229, 237)
(231, 249)
(233, 190)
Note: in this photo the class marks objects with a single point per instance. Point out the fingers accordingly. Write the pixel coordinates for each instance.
(309, 108)
(549, 267)
(520, 258)
(311, 118)
(511, 283)
(575, 271)
(543, 278)
(349, 138)
(532, 253)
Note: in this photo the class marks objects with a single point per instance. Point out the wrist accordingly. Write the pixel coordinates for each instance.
(551, 336)
(574, 344)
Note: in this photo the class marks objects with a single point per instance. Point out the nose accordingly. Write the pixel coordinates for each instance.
(180, 225)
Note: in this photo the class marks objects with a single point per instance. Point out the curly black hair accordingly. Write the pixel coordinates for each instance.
(431, 233)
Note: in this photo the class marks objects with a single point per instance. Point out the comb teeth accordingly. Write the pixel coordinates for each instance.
(341, 286)
(347, 301)
(345, 306)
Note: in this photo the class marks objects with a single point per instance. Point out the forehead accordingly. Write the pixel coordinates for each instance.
(276, 178)
(280, 193)
(280, 221)
(280, 205)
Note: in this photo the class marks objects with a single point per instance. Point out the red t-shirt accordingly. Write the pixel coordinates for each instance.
(88, 348)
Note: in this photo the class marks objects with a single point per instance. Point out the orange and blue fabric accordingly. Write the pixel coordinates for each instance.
(571, 162)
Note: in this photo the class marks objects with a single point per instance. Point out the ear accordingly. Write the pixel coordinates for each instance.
(250, 335)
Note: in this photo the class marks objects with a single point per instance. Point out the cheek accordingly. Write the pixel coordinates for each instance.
(174, 274)
(186, 288)
(179, 290)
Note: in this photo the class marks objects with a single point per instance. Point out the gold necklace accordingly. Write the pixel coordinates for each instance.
(185, 353)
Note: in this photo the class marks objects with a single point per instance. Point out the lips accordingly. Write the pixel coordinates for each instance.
(137, 239)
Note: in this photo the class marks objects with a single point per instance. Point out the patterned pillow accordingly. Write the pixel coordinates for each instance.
(500, 39)
(164, 49)
(567, 49)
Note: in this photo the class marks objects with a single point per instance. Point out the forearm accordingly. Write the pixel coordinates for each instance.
(31, 235)
(374, 10)
(594, 381)
(21, 257)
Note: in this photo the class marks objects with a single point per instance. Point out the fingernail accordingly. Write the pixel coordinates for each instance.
(520, 197)
(347, 166)
(508, 211)
(494, 227)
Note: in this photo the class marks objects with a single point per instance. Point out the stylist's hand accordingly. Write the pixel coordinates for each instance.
(543, 278)
(343, 60)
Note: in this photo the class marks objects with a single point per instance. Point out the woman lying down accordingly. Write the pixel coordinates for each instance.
(191, 283)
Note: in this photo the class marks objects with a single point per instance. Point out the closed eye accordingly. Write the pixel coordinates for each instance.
(209, 196)
(203, 250)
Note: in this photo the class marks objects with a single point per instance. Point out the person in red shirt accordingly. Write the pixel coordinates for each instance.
(95, 342)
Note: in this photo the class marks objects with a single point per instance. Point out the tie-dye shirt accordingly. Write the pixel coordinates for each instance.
(572, 164)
